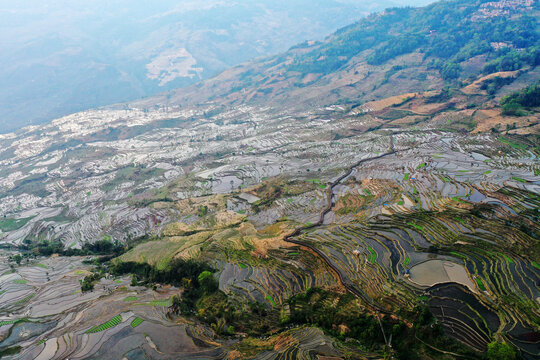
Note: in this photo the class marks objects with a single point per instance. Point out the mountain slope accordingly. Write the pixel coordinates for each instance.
(403, 206)
(66, 56)
(402, 50)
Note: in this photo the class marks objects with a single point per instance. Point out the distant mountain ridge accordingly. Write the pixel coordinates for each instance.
(60, 57)
(448, 42)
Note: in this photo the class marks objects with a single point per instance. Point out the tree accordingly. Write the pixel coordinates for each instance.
(219, 326)
(87, 284)
(512, 109)
(176, 305)
(207, 282)
(500, 351)
(450, 71)
(202, 211)
(17, 258)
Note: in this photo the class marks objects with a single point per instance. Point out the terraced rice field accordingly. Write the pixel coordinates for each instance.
(432, 198)
(372, 249)
(109, 324)
(164, 303)
(136, 322)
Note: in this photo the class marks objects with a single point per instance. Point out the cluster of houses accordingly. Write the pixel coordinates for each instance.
(501, 8)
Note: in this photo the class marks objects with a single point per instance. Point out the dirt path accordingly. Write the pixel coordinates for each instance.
(289, 238)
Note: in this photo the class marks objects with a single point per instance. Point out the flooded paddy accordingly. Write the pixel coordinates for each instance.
(54, 323)
(433, 272)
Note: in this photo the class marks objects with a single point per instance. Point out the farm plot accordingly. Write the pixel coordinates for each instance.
(434, 272)
(109, 324)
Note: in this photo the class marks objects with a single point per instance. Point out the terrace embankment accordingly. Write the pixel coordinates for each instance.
(324, 212)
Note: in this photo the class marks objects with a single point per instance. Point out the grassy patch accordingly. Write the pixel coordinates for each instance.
(109, 324)
(19, 281)
(422, 165)
(519, 179)
(8, 322)
(455, 198)
(535, 264)
(25, 300)
(7, 225)
(242, 266)
(271, 300)
(458, 255)
(419, 227)
(406, 261)
(164, 303)
(43, 266)
(487, 172)
(136, 322)
(406, 176)
(131, 298)
(480, 284)
(507, 258)
(372, 255)
(512, 144)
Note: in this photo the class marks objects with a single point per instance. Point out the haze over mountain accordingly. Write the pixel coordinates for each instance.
(59, 57)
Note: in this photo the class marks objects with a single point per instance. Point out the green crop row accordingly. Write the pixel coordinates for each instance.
(480, 284)
(419, 227)
(166, 302)
(7, 322)
(373, 255)
(406, 261)
(136, 322)
(271, 299)
(109, 324)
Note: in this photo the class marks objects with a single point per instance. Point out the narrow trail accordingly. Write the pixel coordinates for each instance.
(289, 238)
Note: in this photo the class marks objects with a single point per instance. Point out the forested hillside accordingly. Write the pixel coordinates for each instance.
(447, 33)
(448, 43)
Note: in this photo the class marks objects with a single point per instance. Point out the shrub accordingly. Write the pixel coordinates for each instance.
(501, 351)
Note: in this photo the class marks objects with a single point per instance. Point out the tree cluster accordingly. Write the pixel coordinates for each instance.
(514, 103)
